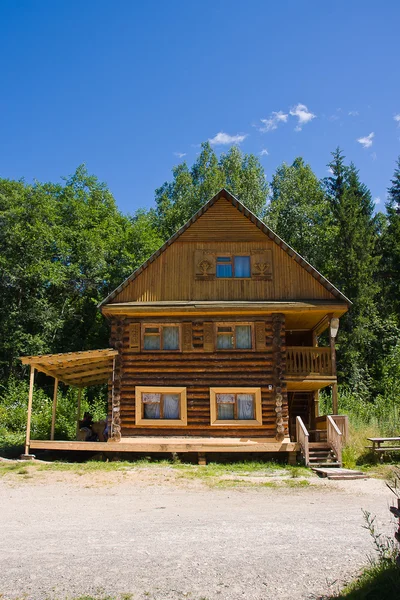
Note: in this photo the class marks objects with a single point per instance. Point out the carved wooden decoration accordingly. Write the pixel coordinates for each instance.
(260, 335)
(187, 337)
(208, 337)
(278, 322)
(261, 264)
(204, 264)
(134, 337)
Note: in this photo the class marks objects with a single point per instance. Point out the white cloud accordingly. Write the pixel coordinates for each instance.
(223, 139)
(303, 114)
(180, 154)
(366, 142)
(353, 113)
(374, 156)
(377, 200)
(397, 119)
(264, 152)
(330, 170)
(273, 121)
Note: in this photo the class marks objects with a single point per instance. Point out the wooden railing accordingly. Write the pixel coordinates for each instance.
(302, 436)
(307, 360)
(334, 437)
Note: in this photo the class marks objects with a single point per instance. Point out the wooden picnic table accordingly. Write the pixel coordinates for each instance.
(379, 447)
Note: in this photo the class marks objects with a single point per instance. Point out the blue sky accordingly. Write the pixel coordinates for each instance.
(126, 86)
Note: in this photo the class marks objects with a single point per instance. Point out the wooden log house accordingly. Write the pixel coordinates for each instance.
(214, 346)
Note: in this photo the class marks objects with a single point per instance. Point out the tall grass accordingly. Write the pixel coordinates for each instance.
(378, 418)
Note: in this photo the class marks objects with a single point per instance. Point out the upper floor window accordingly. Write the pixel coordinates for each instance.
(233, 266)
(234, 336)
(161, 337)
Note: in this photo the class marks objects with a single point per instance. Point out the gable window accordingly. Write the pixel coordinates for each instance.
(236, 406)
(232, 336)
(161, 337)
(160, 406)
(233, 266)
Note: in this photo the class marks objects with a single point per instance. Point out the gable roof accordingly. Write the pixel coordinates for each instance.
(223, 193)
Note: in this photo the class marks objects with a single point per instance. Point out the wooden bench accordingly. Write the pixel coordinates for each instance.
(379, 449)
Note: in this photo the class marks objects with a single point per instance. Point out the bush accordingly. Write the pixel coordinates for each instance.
(14, 407)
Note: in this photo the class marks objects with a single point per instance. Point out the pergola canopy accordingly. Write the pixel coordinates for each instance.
(91, 367)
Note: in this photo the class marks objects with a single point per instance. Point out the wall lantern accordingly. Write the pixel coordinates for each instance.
(334, 327)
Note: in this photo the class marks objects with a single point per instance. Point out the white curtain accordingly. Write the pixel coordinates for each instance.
(171, 406)
(152, 342)
(225, 341)
(152, 403)
(242, 266)
(171, 338)
(226, 406)
(243, 336)
(152, 411)
(245, 406)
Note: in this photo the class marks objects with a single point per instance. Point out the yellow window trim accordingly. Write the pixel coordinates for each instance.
(140, 420)
(257, 422)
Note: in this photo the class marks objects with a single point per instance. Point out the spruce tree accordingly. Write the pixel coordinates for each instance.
(390, 273)
(353, 270)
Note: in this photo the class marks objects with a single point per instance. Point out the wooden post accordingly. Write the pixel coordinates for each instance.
(334, 385)
(28, 421)
(78, 414)
(53, 418)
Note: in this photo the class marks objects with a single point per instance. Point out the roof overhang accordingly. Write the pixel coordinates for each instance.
(81, 369)
(308, 314)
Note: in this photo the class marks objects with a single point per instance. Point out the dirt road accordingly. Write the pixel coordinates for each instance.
(64, 536)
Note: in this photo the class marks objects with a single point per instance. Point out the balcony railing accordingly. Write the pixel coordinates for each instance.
(302, 360)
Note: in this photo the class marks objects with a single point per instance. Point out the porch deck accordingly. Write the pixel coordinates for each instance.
(171, 444)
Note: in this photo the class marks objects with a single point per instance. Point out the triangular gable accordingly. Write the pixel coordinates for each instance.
(223, 193)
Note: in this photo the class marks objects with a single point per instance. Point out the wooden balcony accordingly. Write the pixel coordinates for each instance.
(310, 366)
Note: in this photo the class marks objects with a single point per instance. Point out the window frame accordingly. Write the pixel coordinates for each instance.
(232, 257)
(160, 328)
(139, 406)
(234, 324)
(256, 422)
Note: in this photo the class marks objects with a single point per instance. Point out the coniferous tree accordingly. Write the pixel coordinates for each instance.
(354, 267)
(390, 266)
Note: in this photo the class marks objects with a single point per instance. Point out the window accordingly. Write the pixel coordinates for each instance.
(161, 337)
(233, 266)
(236, 406)
(161, 406)
(232, 336)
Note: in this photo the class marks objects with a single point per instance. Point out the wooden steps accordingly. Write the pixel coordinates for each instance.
(334, 473)
(322, 455)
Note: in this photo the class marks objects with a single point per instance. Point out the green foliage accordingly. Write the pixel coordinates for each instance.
(299, 212)
(178, 200)
(13, 412)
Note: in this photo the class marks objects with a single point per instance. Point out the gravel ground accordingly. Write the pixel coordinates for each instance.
(157, 537)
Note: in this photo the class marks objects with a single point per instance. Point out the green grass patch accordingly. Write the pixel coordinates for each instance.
(380, 581)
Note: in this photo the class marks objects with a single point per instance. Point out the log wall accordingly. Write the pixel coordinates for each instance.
(198, 370)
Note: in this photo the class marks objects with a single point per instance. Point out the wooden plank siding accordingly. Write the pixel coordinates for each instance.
(171, 276)
(198, 371)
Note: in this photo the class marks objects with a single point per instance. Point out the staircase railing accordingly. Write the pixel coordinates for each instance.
(302, 436)
(334, 437)
(307, 360)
